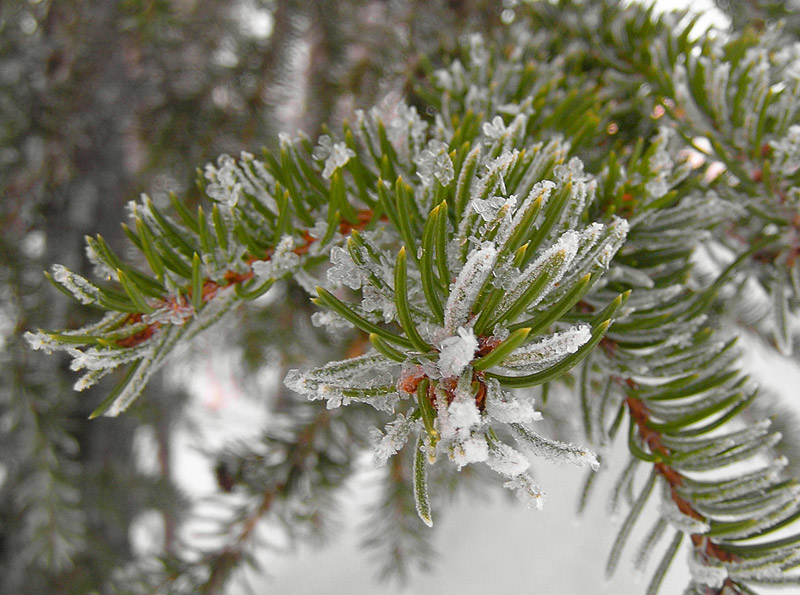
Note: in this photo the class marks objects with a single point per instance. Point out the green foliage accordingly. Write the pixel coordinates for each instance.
(566, 206)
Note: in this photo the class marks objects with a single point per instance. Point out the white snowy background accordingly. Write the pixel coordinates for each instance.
(488, 545)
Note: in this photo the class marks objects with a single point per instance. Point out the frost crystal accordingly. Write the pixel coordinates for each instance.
(506, 460)
(397, 433)
(435, 163)
(489, 208)
(456, 352)
(335, 155)
(494, 129)
(527, 490)
(224, 185)
(340, 155)
(331, 321)
(80, 288)
(404, 122)
(505, 408)
(344, 270)
(282, 261)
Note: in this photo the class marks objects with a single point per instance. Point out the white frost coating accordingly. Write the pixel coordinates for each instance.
(554, 450)
(388, 444)
(660, 165)
(506, 460)
(467, 286)
(567, 245)
(457, 352)
(706, 574)
(548, 351)
(78, 286)
(434, 163)
(527, 490)
(619, 231)
(99, 359)
(573, 170)
(40, 341)
(541, 189)
(670, 513)
(175, 312)
(505, 408)
(344, 270)
(282, 261)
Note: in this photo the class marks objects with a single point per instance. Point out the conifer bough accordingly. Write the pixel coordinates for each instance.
(520, 239)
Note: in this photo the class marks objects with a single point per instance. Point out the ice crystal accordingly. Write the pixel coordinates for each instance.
(335, 155)
(457, 351)
(374, 301)
(344, 271)
(223, 185)
(489, 208)
(403, 122)
(494, 129)
(463, 413)
(395, 437)
(527, 490)
(434, 163)
(572, 171)
(331, 322)
(282, 261)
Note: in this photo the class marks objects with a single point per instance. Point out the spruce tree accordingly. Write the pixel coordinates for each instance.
(581, 199)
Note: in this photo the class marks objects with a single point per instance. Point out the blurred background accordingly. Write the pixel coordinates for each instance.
(101, 101)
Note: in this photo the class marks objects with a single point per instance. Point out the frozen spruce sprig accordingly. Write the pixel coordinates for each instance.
(466, 325)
